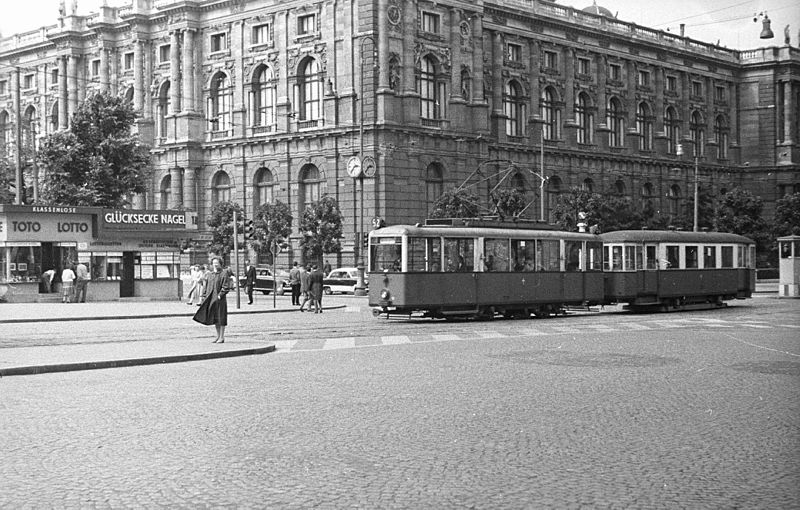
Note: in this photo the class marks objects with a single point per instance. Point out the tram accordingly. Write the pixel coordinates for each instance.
(480, 269)
(675, 270)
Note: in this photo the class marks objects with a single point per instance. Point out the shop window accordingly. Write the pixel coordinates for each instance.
(156, 265)
(24, 263)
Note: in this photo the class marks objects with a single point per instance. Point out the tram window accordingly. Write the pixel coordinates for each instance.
(573, 249)
(691, 257)
(459, 255)
(385, 252)
(709, 257)
(607, 258)
(548, 256)
(424, 254)
(523, 255)
(727, 256)
(673, 257)
(595, 260)
(650, 257)
(639, 257)
(630, 258)
(751, 260)
(495, 255)
(616, 258)
(740, 262)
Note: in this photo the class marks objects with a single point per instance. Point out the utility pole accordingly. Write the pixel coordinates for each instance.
(696, 195)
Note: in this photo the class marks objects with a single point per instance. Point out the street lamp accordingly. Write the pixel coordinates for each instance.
(355, 167)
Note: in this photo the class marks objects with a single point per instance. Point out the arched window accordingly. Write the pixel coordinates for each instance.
(434, 185)
(619, 187)
(221, 188)
(262, 98)
(432, 90)
(698, 134)
(647, 195)
(309, 90)
(220, 105)
(585, 118)
(164, 192)
(674, 200)
(162, 109)
(30, 125)
(588, 185)
(264, 187)
(551, 114)
(514, 109)
(644, 126)
(615, 119)
(554, 189)
(5, 134)
(721, 137)
(54, 117)
(673, 129)
(128, 95)
(311, 185)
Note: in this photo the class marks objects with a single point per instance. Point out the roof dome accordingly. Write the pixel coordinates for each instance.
(596, 9)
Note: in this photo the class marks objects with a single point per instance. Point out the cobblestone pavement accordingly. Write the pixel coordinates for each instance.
(695, 410)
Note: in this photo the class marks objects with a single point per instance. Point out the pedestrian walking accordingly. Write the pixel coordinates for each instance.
(195, 291)
(67, 278)
(250, 280)
(81, 282)
(294, 283)
(305, 286)
(315, 280)
(214, 308)
(326, 269)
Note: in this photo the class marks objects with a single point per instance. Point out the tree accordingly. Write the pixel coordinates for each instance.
(7, 178)
(97, 162)
(220, 219)
(608, 213)
(787, 215)
(457, 203)
(273, 223)
(508, 203)
(739, 212)
(321, 227)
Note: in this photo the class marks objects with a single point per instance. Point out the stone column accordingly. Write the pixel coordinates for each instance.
(138, 77)
(189, 192)
(72, 84)
(188, 70)
(174, 73)
(497, 76)
(175, 188)
(788, 109)
(477, 59)
(104, 79)
(383, 45)
(63, 100)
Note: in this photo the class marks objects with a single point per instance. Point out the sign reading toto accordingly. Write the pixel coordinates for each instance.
(142, 220)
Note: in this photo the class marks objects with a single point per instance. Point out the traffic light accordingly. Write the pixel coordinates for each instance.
(249, 229)
(366, 239)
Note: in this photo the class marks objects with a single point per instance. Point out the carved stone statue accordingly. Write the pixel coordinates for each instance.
(787, 39)
(74, 7)
(62, 9)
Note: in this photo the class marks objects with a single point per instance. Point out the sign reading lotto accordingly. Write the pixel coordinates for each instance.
(128, 220)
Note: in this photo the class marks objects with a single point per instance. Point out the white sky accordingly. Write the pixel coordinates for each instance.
(729, 21)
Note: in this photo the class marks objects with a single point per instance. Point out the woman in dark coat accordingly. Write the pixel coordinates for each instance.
(316, 288)
(214, 309)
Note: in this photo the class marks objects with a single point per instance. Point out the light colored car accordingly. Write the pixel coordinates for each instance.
(342, 280)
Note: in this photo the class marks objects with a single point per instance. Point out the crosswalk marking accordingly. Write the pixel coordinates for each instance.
(441, 338)
(637, 327)
(285, 344)
(395, 340)
(489, 334)
(340, 343)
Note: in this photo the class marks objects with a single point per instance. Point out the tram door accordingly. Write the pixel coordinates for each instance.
(126, 282)
(650, 273)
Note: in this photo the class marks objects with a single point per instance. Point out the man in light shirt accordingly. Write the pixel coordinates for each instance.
(81, 282)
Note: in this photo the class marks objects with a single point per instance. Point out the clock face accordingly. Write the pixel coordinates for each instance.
(354, 166)
(369, 166)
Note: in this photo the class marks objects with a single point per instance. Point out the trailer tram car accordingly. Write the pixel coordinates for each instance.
(674, 270)
(477, 269)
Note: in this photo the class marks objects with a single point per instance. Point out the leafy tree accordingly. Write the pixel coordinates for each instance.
(97, 162)
(508, 203)
(739, 212)
(787, 215)
(457, 203)
(273, 222)
(321, 227)
(220, 219)
(608, 213)
(7, 178)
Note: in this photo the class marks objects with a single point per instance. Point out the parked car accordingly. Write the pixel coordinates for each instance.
(342, 280)
(265, 282)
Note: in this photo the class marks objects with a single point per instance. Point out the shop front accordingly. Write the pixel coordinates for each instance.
(129, 254)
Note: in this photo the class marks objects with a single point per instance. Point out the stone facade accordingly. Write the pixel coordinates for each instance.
(258, 100)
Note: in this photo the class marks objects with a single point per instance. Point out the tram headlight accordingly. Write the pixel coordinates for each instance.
(386, 295)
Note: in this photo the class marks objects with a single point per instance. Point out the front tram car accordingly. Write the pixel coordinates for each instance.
(471, 269)
(675, 270)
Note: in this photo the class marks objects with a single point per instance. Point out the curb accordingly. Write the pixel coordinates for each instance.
(130, 362)
(148, 316)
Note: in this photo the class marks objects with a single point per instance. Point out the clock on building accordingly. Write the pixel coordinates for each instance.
(354, 166)
(369, 166)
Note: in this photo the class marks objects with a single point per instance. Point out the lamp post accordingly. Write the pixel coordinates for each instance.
(355, 167)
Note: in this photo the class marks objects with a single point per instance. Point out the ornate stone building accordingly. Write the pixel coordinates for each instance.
(259, 100)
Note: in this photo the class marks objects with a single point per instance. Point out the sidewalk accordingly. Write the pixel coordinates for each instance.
(71, 357)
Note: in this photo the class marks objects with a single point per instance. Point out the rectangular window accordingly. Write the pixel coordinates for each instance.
(643, 79)
(459, 255)
(430, 22)
(96, 68)
(127, 61)
(495, 255)
(709, 257)
(697, 88)
(262, 34)
(384, 252)
(424, 255)
(163, 53)
(672, 83)
(307, 24)
(574, 254)
(514, 52)
(594, 253)
(29, 81)
(616, 258)
(650, 256)
(673, 257)
(719, 93)
(727, 256)
(615, 72)
(523, 255)
(630, 258)
(219, 42)
(551, 60)
(54, 76)
(584, 66)
(691, 257)
(3, 88)
(548, 253)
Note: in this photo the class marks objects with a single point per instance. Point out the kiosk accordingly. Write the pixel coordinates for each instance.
(789, 266)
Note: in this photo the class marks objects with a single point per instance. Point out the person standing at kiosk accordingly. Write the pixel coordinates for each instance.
(81, 282)
(67, 277)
